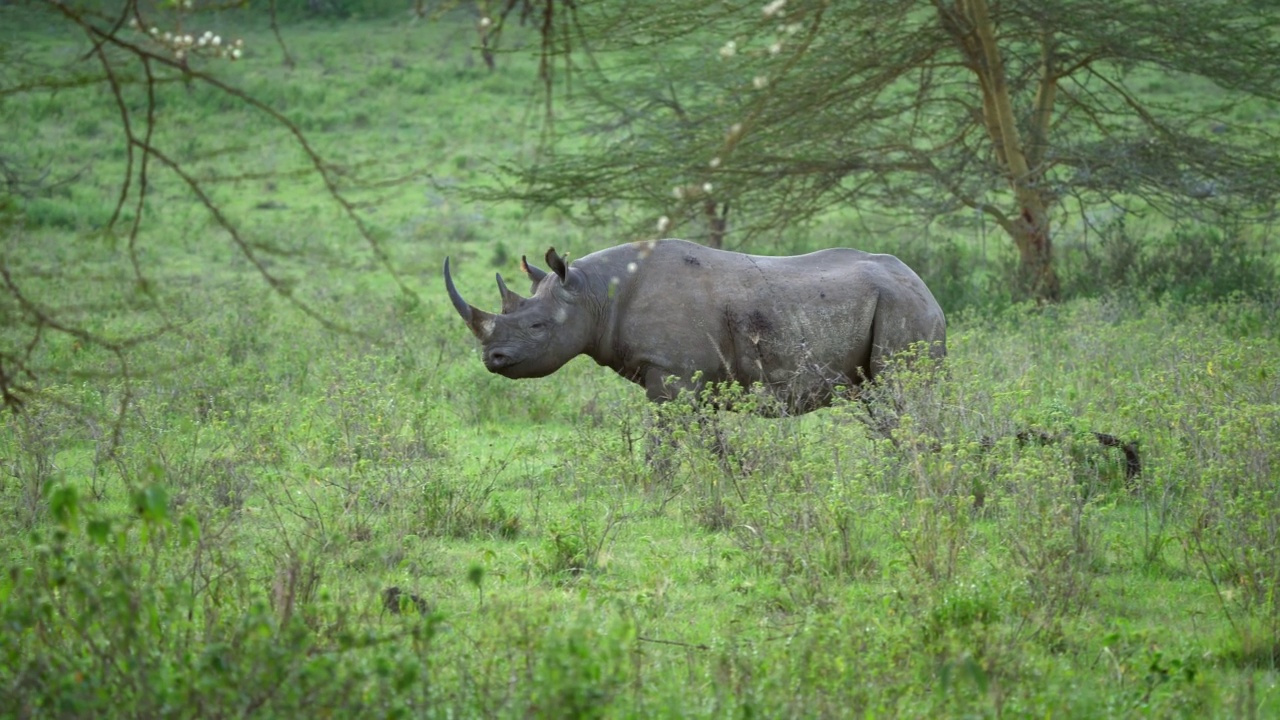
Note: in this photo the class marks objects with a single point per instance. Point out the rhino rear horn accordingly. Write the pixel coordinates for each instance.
(535, 274)
(510, 300)
(480, 322)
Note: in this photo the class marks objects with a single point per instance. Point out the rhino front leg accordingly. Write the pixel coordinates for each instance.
(689, 411)
(662, 387)
(659, 448)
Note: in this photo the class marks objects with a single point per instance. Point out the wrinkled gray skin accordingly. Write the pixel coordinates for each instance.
(659, 312)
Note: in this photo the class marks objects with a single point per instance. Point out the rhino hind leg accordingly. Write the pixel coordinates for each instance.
(905, 355)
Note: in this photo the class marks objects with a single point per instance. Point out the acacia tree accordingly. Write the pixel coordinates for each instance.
(135, 56)
(1017, 109)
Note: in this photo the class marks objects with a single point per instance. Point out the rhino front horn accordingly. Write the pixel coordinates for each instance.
(480, 322)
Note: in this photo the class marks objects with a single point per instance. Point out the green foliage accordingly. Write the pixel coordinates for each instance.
(1194, 263)
(338, 9)
(95, 627)
(744, 120)
(948, 558)
(951, 542)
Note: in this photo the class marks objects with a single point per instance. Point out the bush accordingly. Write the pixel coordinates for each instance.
(93, 627)
(1207, 264)
(1190, 264)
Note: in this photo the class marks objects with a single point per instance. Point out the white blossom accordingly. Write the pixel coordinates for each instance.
(729, 49)
(772, 8)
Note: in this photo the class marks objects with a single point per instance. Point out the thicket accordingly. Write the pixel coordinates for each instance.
(989, 556)
(231, 551)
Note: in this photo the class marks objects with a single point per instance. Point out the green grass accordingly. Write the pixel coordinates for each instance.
(228, 556)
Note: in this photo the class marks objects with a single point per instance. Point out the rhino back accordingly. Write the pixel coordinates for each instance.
(803, 323)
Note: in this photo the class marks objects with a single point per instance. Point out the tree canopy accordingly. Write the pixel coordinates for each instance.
(136, 59)
(751, 116)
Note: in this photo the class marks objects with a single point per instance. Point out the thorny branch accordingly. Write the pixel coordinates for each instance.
(138, 127)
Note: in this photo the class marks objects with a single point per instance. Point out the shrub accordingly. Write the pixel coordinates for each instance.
(94, 627)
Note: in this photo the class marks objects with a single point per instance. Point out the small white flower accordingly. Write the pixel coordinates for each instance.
(133, 23)
(202, 41)
(735, 130)
(760, 81)
(216, 41)
(772, 8)
(235, 54)
(715, 163)
(707, 187)
(677, 192)
(793, 28)
(631, 267)
(168, 37)
(775, 48)
(729, 49)
(485, 22)
(664, 222)
(178, 54)
(155, 31)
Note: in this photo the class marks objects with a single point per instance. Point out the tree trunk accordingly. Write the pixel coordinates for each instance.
(717, 223)
(1036, 278)
(1022, 158)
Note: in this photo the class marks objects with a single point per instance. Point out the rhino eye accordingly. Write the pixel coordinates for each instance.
(537, 325)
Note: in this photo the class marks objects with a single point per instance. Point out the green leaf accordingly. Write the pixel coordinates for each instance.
(64, 504)
(99, 530)
(152, 504)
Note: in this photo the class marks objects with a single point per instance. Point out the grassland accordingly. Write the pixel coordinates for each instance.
(273, 476)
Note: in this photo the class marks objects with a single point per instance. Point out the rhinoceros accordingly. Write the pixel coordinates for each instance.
(672, 315)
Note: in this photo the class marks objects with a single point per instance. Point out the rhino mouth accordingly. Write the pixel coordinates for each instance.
(496, 360)
(503, 363)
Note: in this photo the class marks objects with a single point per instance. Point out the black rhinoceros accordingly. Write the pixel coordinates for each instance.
(671, 315)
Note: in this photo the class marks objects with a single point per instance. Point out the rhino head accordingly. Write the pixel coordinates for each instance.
(532, 337)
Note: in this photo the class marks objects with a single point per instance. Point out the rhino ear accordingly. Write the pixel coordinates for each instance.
(510, 300)
(557, 265)
(535, 274)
